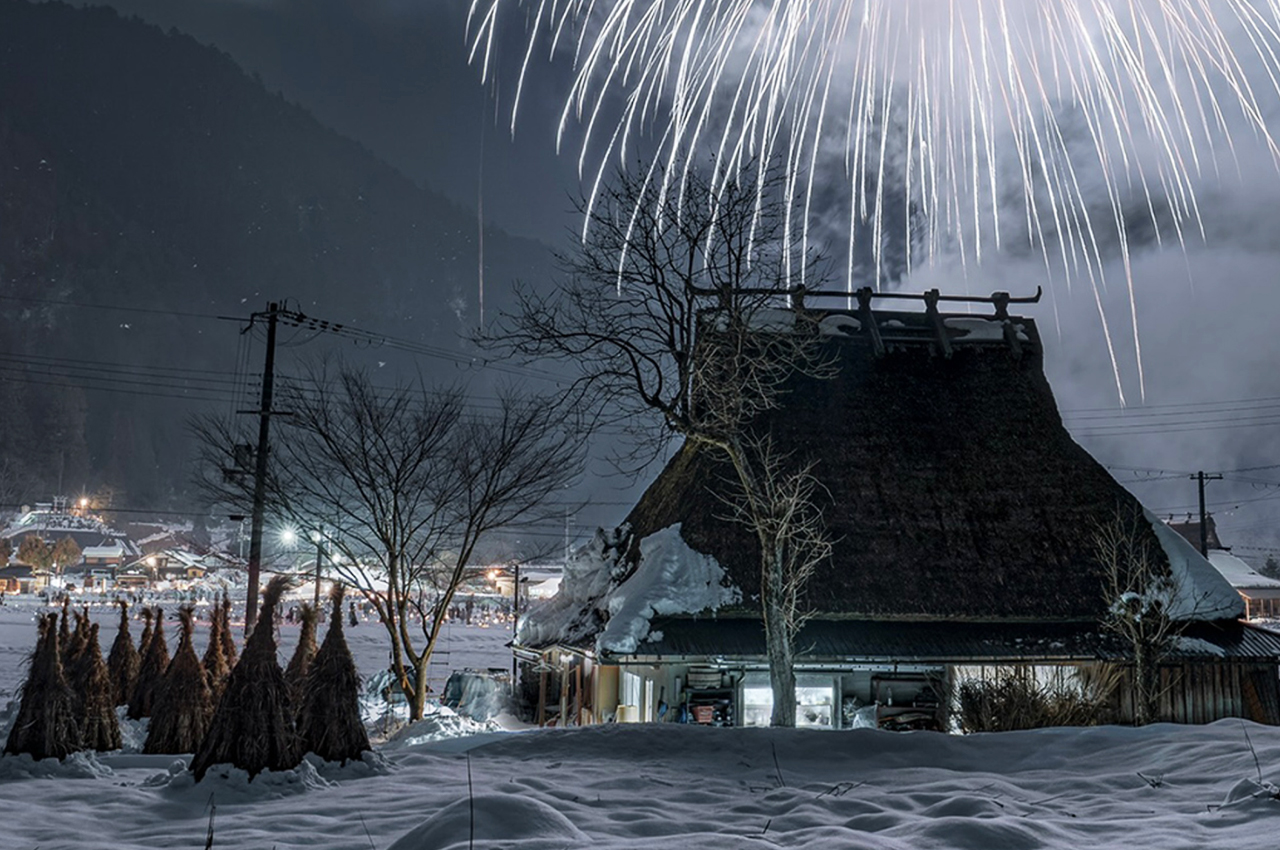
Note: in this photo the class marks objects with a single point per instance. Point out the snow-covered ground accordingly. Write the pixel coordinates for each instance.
(668, 786)
(664, 786)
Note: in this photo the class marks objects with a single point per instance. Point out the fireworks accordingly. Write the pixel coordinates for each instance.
(959, 126)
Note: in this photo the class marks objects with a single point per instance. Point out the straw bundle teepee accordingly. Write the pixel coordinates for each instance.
(96, 709)
(228, 638)
(183, 705)
(145, 640)
(64, 630)
(329, 719)
(253, 727)
(79, 639)
(296, 673)
(155, 661)
(216, 670)
(124, 661)
(46, 724)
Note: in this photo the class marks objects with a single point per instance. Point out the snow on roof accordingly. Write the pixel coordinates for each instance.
(600, 596)
(839, 325)
(978, 329)
(671, 579)
(1201, 591)
(114, 549)
(1237, 572)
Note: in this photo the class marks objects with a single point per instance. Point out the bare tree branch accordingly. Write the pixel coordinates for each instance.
(674, 316)
(405, 483)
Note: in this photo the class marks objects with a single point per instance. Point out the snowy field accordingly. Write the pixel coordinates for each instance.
(664, 786)
(668, 786)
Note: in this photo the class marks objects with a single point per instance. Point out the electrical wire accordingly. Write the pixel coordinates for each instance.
(181, 314)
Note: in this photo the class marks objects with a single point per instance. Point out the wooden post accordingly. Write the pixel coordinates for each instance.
(542, 691)
(577, 681)
(869, 320)
(564, 692)
(939, 329)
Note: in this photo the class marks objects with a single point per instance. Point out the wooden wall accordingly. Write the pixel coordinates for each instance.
(1207, 691)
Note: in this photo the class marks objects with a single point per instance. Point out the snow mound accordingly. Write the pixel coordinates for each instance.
(438, 724)
(498, 819)
(226, 780)
(602, 597)
(371, 763)
(133, 733)
(83, 765)
(1251, 791)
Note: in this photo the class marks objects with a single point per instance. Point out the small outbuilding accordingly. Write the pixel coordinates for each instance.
(1261, 594)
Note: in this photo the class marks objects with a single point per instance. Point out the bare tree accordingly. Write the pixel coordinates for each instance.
(781, 507)
(404, 484)
(675, 315)
(1140, 592)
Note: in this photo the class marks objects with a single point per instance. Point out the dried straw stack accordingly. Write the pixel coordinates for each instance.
(183, 703)
(296, 673)
(46, 723)
(253, 727)
(329, 719)
(64, 630)
(155, 661)
(78, 641)
(124, 661)
(145, 640)
(216, 669)
(99, 728)
(228, 639)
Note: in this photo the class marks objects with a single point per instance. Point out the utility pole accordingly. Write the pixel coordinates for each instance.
(319, 538)
(515, 623)
(260, 467)
(1201, 477)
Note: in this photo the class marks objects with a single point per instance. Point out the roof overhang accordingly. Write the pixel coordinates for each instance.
(937, 642)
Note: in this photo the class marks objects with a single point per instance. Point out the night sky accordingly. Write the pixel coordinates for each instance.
(393, 74)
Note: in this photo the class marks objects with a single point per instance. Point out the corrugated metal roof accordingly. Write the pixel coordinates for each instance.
(909, 642)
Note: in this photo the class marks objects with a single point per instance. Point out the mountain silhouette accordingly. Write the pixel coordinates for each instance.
(147, 184)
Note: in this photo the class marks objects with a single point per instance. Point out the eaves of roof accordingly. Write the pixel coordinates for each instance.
(879, 641)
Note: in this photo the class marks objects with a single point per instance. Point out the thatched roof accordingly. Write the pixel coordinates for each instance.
(955, 492)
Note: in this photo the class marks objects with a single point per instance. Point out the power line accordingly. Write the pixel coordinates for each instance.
(1126, 411)
(99, 364)
(1177, 427)
(375, 339)
(117, 390)
(118, 308)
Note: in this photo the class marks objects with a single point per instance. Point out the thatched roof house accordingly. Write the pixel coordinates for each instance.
(963, 514)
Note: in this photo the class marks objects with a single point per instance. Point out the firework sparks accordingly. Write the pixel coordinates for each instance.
(957, 125)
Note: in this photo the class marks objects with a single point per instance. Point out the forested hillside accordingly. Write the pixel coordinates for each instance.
(140, 169)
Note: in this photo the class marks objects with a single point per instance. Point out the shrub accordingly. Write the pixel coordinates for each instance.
(1017, 701)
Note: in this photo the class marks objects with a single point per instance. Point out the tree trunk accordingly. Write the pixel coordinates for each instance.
(1145, 675)
(418, 704)
(779, 648)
